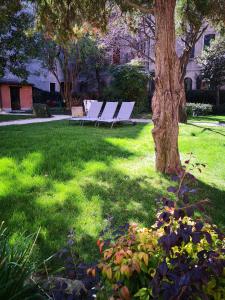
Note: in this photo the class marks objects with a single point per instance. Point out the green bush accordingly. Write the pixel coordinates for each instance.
(219, 110)
(41, 110)
(198, 109)
(204, 96)
(129, 84)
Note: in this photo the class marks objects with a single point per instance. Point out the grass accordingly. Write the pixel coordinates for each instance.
(59, 177)
(4, 118)
(204, 119)
(209, 119)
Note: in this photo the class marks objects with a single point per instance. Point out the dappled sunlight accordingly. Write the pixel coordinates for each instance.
(18, 177)
(72, 177)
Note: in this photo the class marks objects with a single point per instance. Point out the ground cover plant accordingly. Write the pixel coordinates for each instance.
(16, 267)
(59, 177)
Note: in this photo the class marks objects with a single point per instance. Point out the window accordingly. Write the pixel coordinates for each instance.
(188, 84)
(52, 87)
(207, 39)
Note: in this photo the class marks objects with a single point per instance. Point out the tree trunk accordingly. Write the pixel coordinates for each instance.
(217, 97)
(169, 90)
(97, 74)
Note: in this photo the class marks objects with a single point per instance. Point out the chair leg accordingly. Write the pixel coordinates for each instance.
(112, 125)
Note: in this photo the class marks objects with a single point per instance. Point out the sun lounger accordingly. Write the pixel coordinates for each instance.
(108, 112)
(93, 113)
(123, 115)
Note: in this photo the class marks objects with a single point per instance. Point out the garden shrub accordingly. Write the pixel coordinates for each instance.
(129, 84)
(41, 110)
(74, 280)
(198, 109)
(182, 256)
(204, 96)
(41, 96)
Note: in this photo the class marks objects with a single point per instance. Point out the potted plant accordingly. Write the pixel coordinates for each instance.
(77, 109)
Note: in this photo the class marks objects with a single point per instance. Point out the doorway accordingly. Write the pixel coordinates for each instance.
(15, 97)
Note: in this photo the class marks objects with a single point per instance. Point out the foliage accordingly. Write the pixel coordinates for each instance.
(40, 96)
(182, 256)
(198, 109)
(204, 96)
(219, 109)
(16, 268)
(73, 281)
(18, 43)
(71, 58)
(64, 22)
(212, 61)
(129, 84)
(41, 110)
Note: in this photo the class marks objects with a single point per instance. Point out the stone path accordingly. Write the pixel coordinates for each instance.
(35, 120)
(142, 120)
(208, 124)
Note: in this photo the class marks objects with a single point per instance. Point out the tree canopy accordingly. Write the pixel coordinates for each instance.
(212, 61)
(16, 37)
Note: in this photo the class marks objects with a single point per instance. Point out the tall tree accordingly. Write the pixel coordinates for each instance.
(188, 16)
(64, 24)
(17, 41)
(169, 97)
(69, 59)
(212, 62)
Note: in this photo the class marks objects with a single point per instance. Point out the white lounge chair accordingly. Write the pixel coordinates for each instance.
(123, 115)
(92, 114)
(87, 104)
(108, 112)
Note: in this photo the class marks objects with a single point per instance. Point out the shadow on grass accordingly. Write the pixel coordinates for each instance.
(211, 129)
(216, 196)
(55, 176)
(61, 177)
(209, 118)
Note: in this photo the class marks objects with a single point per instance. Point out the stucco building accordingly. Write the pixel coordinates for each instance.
(15, 96)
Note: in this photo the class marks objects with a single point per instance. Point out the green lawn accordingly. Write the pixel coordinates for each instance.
(205, 119)
(4, 118)
(59, 177)
(209, 119)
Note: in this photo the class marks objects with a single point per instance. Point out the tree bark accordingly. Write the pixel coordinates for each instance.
(97, 74)
(217, 96)
(169, 90)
